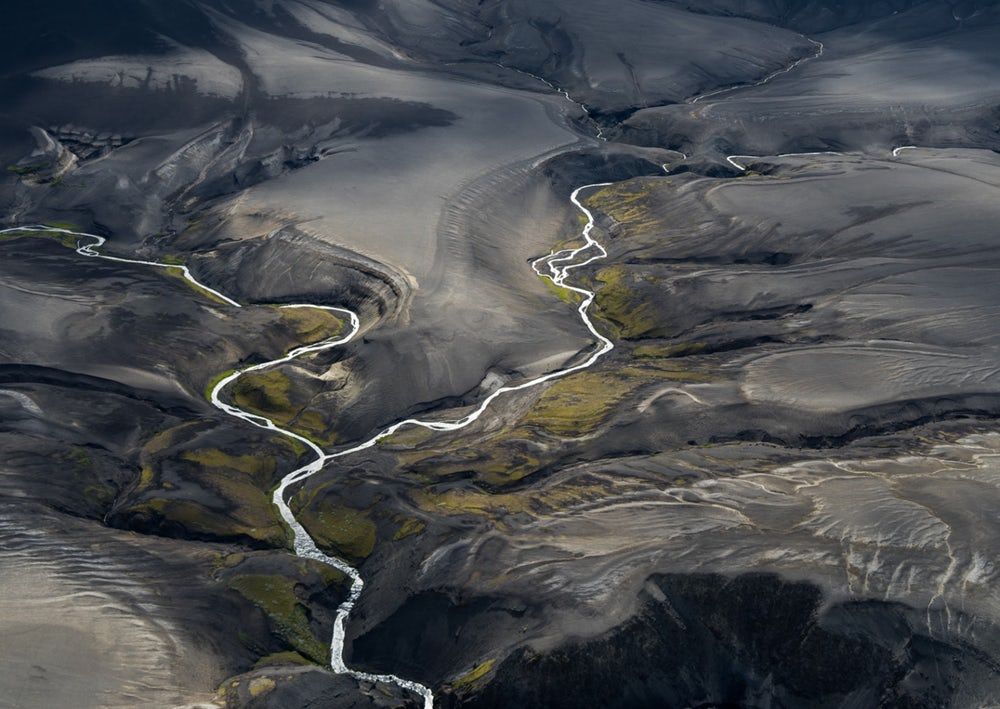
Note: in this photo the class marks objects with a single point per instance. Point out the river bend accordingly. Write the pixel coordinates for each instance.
(555, 266)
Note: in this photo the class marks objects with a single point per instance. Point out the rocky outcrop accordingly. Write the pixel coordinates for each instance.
(749, 641)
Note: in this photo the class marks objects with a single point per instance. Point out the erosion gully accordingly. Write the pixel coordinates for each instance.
(555, 266)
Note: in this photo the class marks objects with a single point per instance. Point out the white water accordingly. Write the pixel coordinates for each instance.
(555, 266)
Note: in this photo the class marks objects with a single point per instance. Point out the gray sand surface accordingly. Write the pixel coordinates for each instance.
(778, 489)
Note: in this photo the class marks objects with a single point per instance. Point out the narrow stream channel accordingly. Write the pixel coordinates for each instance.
(555, 266)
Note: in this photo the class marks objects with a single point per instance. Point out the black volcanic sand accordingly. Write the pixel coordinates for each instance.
(703, 640)
(920, 78)
(872, 318)
(776, 491)
(95, 617)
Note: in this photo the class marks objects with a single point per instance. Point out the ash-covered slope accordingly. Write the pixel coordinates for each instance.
(776, 491)
(917, 77)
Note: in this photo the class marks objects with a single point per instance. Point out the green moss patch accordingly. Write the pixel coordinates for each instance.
(67, 240)
(342, 531)
(497, 505)
(267, 393)
(259, 467)
(29, 169)
(75, 456)
(408, 437)
(578, 404)
(289, 657)
(208, 492)
(619, 302)
(473, 676)
(177, 273)
(249, 517)
(498, 462)
(214, 381)
(408, 527)
(275, 596)
(271, 393)
(631, 203)
(684, 349)
(156, 445)
(564, 294)
(312, 325)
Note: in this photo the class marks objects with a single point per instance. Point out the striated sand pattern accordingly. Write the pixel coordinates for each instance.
(777, 489)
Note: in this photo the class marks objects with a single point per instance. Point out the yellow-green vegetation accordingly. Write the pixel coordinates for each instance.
(75, 456)
(408, 437)
(237, 504)
(312, 324)
(222, 561)
(630, 203)
(578, 404)
(78, 464)
(227, 690)
(67, 240)
(565, 294)
(684, 349)
(157, 444)
(289, 657)
(292, 445)
(248, 510)
(28, 169)
(251, 517)
(505, 464)
(496, 505)
(260, 686)
(571, 407)
(275, 595)
(269, 393)
(500, 461)
(617, 302)
(147, 478)
(102, 495)
(473, 676)
(332, 577)
(345, 531)
(213, 382)
(258, 467)
(177, 272)
(408, 527)
(673, 369)
(265, 392)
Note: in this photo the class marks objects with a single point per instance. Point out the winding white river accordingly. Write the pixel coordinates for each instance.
(556, 266)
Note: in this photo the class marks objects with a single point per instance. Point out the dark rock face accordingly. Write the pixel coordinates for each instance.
(282, 688)
(749, 641)
(433, 634)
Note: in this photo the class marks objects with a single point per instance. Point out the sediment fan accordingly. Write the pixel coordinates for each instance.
(718, 428)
